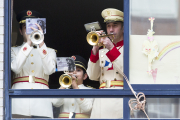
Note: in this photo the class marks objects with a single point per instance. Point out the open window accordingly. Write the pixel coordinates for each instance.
(66, 34)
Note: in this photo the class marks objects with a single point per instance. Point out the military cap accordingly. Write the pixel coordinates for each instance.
(112, 15)
(21, 17)
(80, 61)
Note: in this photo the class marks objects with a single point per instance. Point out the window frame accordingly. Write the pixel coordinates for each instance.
(151, 91)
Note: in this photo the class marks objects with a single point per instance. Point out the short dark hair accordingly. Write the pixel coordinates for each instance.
(20, 25)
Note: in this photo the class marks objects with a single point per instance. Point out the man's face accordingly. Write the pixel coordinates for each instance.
(117, 29)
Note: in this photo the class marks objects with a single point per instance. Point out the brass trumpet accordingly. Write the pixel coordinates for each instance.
(37, 37)
(65, 80)
(93, 38)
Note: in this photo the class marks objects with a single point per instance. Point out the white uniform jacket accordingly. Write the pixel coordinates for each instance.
(77, 105)
(106, 67)
(26, 62)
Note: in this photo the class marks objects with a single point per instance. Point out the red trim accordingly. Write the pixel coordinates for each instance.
(113, 54)
(28, 76)
(94, 58)
(28, 80)
(110, 68)
(115, 15)
(120, 43)
(113, 85)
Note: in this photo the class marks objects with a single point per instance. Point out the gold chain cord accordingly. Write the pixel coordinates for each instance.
(140, 105)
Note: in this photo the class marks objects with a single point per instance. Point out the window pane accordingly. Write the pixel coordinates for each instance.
(165, 12)
(154, 57)
(108, 108)
(159, 108)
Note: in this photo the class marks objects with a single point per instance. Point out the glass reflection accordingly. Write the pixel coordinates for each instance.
(154, 59)
(160, 108)
(166, 13)
(78, 108)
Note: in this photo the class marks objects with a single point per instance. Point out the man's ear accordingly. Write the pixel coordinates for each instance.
(20, 31)
(85, 76)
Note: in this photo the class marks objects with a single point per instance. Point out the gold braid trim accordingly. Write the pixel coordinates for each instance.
(78, 115)
(118, 83)
(26, 79)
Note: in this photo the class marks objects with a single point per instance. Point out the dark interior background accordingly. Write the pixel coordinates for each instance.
(65, 30)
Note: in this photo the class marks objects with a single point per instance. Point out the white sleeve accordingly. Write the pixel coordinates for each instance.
(57, 102)
(48, 59)
(94, 70)
(18, 58)
(85, 104)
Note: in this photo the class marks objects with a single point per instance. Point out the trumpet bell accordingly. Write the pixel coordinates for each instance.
(65, 80)
(37, 37)
(92, 38)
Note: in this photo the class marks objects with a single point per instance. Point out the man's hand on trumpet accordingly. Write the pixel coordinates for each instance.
(107, 43)
(104, 40)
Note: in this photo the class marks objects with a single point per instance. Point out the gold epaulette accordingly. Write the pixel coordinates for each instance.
(90, 87)
(14, 46)
(53, 49)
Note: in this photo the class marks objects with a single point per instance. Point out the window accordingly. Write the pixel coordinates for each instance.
(162, 93)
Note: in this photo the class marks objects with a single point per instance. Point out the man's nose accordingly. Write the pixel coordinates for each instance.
(111, 29)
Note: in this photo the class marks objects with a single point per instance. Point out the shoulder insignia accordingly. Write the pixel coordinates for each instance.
(14, 46)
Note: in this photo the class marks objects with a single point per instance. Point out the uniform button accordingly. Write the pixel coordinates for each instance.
(102, 68)
(102, 74)
(101, 61)
(32, 71)
(31, 55)
(32, 63)
(102, 55)
(114, 79)
(72, 104)
(117, 73)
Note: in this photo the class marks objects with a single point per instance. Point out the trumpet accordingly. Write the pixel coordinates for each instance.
(37, 37)
(93, 38)
(65, 80)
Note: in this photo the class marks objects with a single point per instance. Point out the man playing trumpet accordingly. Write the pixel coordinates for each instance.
(76, 107)
(105, 65)
(31, 67)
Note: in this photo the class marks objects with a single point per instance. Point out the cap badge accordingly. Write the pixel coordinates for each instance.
(108, 13)
(29, 13)
(74, 57)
